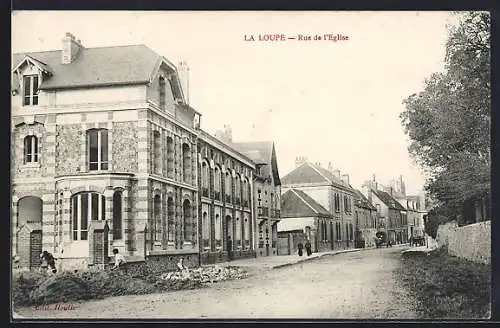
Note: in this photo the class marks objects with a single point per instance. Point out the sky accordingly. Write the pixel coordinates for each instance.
(333, 102)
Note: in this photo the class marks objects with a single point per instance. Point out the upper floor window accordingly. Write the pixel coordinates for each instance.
(337, 203)
(97, 147)
(30, 90)
(161, 91)
(157, 152)
(30, 149)
(204, 179)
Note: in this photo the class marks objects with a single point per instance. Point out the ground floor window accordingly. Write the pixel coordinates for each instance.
(205, 233)
(247, 233)
(218, 231)
(85, 207)
(238, 233)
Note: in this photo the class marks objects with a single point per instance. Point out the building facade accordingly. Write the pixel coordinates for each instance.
(226, 213)
(331, 190)
(366, 221)
(302, 219)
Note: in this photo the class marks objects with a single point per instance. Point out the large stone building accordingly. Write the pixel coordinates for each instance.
(105, 155)
(331, 190)
(226, 212)
(366, 221)
(266, 190)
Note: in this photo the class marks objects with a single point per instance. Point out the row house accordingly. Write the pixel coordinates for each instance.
(266, 195)
(226, 212)
(102, 140)
(330, 189)
(391, 215)
(366, 221)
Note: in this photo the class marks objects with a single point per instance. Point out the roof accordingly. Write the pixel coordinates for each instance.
(261, 152)
(296, 203)
(132, 64)
(312, 173)
(362, 201)
(388, 200)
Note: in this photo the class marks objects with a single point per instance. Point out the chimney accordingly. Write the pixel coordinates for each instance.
(300, 160)
(70, 48)
(183, 71)
(345, 178)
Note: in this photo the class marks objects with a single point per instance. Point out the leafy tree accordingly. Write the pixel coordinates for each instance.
(449, 121)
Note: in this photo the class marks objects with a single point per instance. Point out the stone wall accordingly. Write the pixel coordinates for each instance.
(472, 242)
(156, 264)
(68, 145)
(125, 147)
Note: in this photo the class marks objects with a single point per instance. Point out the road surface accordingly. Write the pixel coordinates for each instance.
(350, 285)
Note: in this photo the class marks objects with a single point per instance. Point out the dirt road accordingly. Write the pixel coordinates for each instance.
(350, 285)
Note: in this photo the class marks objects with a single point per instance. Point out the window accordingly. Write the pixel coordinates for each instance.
(170, 219)
(217, 183)
(170, 157)
(227, 188)
(337, 203)
(30, 149)
(30, 90)
(157, 228)
(237, 236)
(157, 152)
(338, 231)
(85, 207)
(246, 233)
(205, 230)
(204, 179)
(186, 209)
(351, 232)
(218, 229)
(186, 162)
(161, 91)
(347, 231)
(97, 148)
(117, 215)
(237, 190)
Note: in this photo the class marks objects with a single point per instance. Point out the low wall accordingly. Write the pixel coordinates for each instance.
(472, 242)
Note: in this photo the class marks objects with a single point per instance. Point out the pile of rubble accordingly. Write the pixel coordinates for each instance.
(206, 275)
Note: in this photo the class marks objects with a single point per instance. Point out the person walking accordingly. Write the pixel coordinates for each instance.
(308, 248)
(300, 246)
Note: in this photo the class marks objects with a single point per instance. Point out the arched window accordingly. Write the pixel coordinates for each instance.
(157, 152)
(117, 215)
(29, 210)
(217, 183)
(186, 163)
(204, 179)
(227, 187)
(157, 228)
(186, 210)
(30, 149)
(85, 207)
(246, 233)
(171, 219)
(237, 190)
(97, 149)
(170, 157)
(205, 231)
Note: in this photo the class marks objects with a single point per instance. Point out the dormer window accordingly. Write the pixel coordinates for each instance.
(30, 90)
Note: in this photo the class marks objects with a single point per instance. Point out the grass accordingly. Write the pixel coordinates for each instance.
(446, 287)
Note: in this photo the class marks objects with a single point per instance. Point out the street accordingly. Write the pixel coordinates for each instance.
(349, 285)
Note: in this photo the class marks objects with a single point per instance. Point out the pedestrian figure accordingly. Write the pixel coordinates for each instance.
(229, 248)
(48, 261)
(119, 259)
(300, 246)
(308, 248)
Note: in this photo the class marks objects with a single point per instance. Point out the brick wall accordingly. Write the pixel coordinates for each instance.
(472, 242)
(68, 148)
(125, 147)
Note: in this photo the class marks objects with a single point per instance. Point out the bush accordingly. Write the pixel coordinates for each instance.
(60, 288)
(22, 285)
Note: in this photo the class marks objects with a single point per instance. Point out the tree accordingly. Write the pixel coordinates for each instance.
(449, 121)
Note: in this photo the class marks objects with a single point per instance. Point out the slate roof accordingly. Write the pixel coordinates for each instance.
(388, 200)
(363, 202)
(102, 66)
(296, 203)
(312, 173)
(261, 152)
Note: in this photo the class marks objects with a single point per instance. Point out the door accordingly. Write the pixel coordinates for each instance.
(283, 245)
(35, 248)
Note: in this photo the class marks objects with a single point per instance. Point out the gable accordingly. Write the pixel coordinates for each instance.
(304, 174)
(296, 203)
